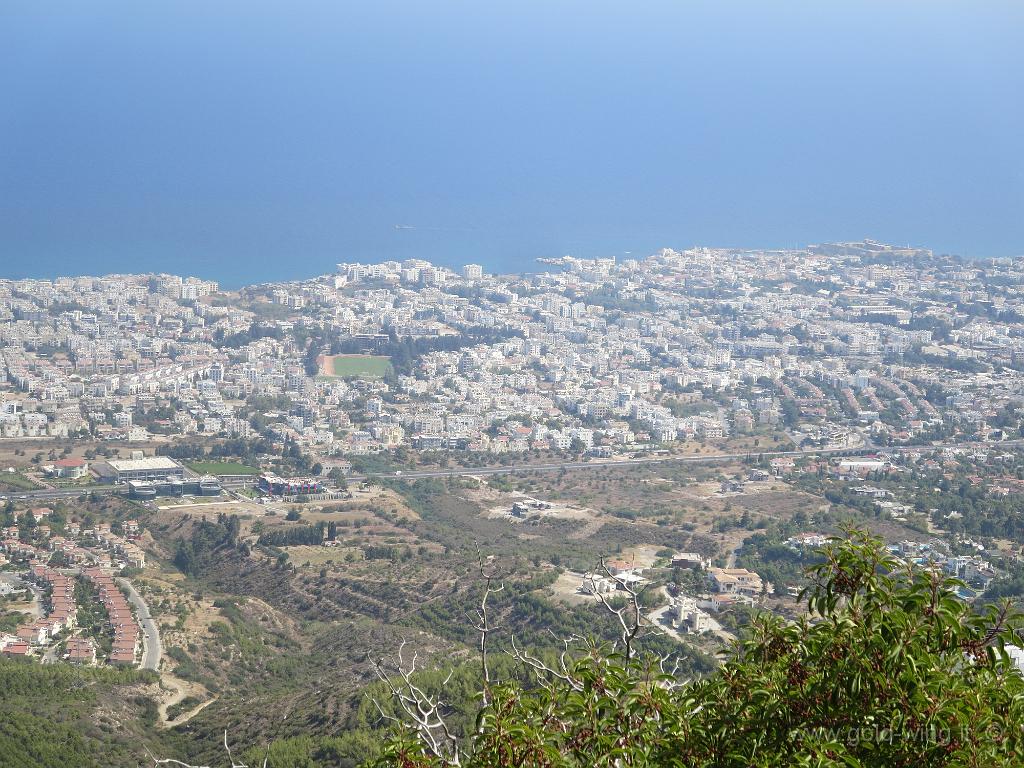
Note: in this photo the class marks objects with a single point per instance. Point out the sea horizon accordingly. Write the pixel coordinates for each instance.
(229, 274)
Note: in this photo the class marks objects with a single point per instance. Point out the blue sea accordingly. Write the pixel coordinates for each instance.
(253, 141)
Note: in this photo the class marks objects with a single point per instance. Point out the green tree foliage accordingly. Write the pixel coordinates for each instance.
(246, 451)
(773, 560)
(208, 538)
(45, 715)
(255, 332)
(889, 668)
(293, 535)
(1010, 585)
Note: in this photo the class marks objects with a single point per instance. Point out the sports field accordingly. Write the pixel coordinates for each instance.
(354, 366)
(222, 468)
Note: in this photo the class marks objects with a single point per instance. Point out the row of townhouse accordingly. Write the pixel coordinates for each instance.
(119, 616)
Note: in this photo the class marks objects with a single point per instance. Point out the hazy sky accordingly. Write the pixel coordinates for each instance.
(267, 140)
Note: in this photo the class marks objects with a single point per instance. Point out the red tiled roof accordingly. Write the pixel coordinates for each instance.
(69, 463)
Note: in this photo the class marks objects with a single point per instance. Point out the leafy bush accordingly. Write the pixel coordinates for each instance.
(889, 668)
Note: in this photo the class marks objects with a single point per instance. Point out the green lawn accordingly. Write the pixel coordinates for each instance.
(222, 468)
(366, 366)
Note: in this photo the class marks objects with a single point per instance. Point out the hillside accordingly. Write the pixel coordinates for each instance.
(274, 641)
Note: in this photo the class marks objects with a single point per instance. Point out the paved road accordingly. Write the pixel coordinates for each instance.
(62, 493)
(730, 561)
(710, 458)
(151, 649)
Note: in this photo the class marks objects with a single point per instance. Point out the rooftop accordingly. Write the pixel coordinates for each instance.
(148, 463)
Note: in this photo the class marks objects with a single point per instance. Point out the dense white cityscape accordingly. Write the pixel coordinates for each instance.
(841, 344)
(856, 374)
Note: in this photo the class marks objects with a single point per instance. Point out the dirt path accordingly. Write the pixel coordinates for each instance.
(186, 716)
(588, 530)
(730, 561)
(567, 589)
(180, 690)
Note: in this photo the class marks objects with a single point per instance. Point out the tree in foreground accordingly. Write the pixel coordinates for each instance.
(888, 668)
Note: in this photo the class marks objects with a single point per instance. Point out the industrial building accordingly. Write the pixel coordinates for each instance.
(174, 486)
(152, 468)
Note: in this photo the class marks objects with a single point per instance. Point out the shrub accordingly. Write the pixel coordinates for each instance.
(889, 668)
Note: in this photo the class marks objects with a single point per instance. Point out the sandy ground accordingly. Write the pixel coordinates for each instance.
(642, 555)
(199, 502)
(499, 506)
(317, 556)
(567, 589)
(174, 690)
(590, 529)
(31, 607)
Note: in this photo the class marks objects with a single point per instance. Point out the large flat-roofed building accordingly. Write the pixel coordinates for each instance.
(141, 489)
(150, 468)
(174, 486)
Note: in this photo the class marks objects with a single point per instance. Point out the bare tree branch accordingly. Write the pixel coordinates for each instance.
(424, 712)
(169, 761)
(231, 759)
(670, 674)
(630, 616)
(560, 672)
(481, 622)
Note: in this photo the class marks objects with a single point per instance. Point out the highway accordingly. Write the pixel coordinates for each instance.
(415, 474)
(151, 648)
(61, 493)
(569, 465)
(710, 458)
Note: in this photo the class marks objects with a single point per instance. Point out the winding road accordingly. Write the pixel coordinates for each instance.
(151, 649)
